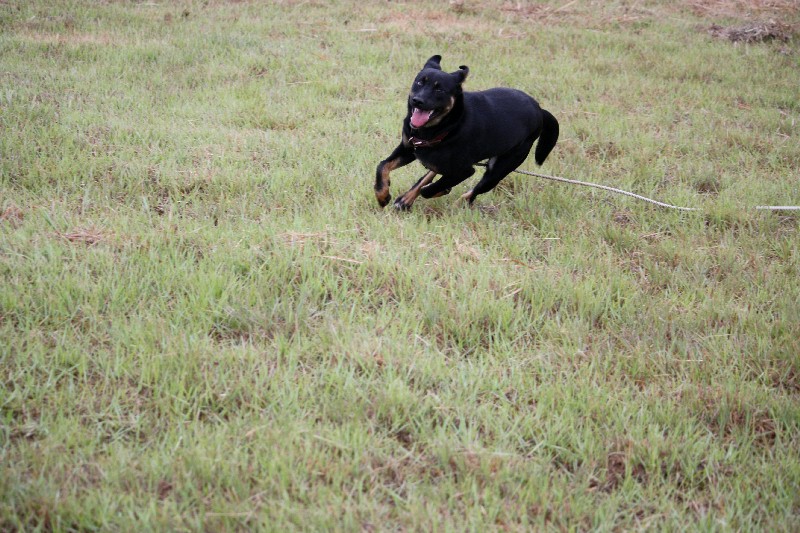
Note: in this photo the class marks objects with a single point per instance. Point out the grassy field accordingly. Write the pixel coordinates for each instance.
(207, 323)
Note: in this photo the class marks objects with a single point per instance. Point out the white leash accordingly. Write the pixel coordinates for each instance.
(644, 198)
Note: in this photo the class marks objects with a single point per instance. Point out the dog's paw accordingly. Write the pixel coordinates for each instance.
(382, 193)
(468, 197)
(383, 198)
(403, 203)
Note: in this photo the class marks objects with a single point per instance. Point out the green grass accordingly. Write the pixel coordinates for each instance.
(208, 324)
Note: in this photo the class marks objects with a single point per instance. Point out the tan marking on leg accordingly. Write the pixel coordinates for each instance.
(382, 194)
(467, 195)
(407, 200)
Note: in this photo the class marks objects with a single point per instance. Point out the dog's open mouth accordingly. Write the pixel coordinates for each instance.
(420, 117)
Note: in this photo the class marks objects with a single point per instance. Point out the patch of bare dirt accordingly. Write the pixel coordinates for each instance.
(164, 489)
(786, 377)
(730, 417)
(13, 215)
(620, 463)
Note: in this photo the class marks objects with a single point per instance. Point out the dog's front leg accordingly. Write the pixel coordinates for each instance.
(405, 202)
(401, 156)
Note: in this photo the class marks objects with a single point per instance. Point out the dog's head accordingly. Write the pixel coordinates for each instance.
(434, 93)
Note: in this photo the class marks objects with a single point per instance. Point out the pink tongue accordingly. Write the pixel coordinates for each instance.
(420, 117)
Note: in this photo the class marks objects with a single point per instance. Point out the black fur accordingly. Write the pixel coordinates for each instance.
(453, 130)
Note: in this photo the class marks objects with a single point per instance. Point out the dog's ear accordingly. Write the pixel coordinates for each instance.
(461, 73)
(433, 62)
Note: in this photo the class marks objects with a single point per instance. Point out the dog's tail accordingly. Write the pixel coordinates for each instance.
(548, 137)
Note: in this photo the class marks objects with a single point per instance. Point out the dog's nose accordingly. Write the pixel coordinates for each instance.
(416, 102)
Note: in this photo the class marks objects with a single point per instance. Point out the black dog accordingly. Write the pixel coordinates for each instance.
(450, 130)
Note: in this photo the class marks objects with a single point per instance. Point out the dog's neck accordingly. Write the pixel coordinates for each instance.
(417, 142)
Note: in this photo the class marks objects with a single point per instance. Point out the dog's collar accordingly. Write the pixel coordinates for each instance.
(416, 142)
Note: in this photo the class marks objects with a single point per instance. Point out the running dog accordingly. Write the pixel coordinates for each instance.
(449, 130)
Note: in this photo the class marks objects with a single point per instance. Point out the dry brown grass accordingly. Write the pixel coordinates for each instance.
(88, 236)
(753, 32)
(12, 215)
(744, 9)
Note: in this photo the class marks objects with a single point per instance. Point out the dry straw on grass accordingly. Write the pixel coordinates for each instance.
(754, 32)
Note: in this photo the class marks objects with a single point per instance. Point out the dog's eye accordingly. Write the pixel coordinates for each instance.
(437, 87)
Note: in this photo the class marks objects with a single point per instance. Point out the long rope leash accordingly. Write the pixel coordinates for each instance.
(643, 198)
(607, 188)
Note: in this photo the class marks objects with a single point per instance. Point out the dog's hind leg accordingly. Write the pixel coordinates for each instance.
(446, 183)
(498, 168)
(401, 156)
